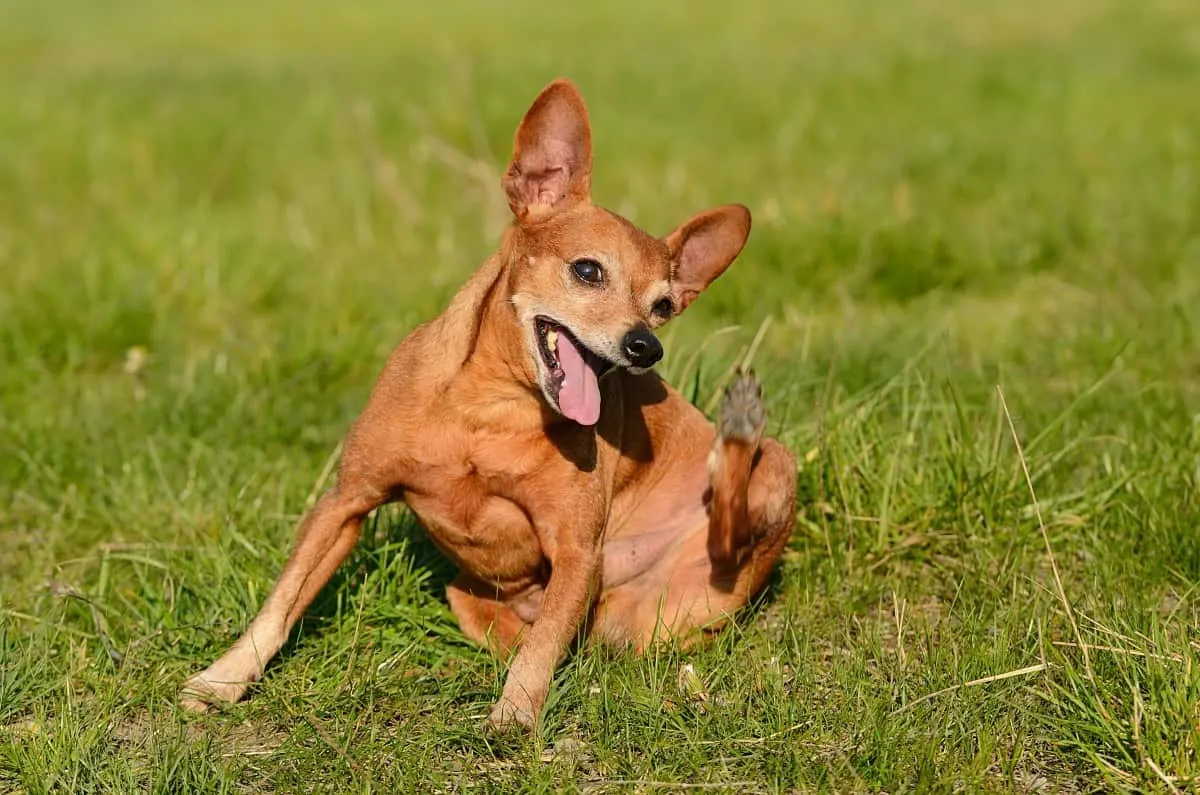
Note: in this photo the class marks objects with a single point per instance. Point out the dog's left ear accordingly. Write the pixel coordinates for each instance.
(703, 247)
(551, 166)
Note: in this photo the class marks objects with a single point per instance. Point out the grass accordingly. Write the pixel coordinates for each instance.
(216, 220)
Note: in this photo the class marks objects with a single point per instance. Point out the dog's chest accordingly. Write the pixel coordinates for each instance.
(478, 497)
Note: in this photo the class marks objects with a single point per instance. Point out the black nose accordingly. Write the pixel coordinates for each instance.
(642, 347)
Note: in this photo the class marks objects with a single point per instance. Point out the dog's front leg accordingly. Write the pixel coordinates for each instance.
(569, 594)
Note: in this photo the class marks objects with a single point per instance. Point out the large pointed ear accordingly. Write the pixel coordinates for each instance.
(551, 166)
(703, 247)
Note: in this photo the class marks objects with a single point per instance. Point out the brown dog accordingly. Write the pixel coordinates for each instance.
(567, 482)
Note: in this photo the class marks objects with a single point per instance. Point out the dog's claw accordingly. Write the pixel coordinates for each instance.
(743, 413)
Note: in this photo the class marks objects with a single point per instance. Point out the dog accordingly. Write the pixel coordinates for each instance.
(578, 494)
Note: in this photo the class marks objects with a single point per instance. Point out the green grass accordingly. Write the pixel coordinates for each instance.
(949, 198)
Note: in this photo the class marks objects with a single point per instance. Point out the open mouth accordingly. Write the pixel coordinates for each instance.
(573, 372)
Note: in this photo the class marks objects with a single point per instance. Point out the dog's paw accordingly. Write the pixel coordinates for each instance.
(198, 694)
(509, 717)
(743, 413)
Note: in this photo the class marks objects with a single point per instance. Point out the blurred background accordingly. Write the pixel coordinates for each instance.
(236, 178)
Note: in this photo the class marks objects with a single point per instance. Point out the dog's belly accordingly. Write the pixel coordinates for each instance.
(657, 570)
(649, 521)
(673, 597)
(630, 556)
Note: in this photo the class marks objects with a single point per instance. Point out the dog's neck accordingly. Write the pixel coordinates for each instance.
(482, 340)
(500, 351)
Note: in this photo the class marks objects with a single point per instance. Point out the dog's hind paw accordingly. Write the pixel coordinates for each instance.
(743, 413)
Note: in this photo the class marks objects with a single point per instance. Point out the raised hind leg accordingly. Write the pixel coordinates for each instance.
(753, 483)
(725, 550)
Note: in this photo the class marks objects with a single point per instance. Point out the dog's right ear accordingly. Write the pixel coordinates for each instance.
(551, 166)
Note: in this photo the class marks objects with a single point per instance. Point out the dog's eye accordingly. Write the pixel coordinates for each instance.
(663, 308)
(588, 271)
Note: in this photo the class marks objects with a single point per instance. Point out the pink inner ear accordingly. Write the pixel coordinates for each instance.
(552, 155)
(546, 171)
(544, 187)
(704, 246)
(549, 186)
(702, 255)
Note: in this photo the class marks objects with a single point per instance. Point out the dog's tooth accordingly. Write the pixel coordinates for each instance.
(552, 340)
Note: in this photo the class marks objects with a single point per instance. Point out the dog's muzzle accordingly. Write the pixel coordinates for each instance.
(641, 347)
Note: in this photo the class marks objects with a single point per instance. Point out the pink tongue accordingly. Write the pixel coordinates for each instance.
(579, 398)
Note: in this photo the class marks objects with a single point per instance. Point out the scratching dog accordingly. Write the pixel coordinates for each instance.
(575, 491)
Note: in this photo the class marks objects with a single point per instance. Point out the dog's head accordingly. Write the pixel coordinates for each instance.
(589, 287)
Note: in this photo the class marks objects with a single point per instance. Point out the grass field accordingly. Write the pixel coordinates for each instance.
(216, 220)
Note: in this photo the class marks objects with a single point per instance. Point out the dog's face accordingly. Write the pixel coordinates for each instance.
(589, 287)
